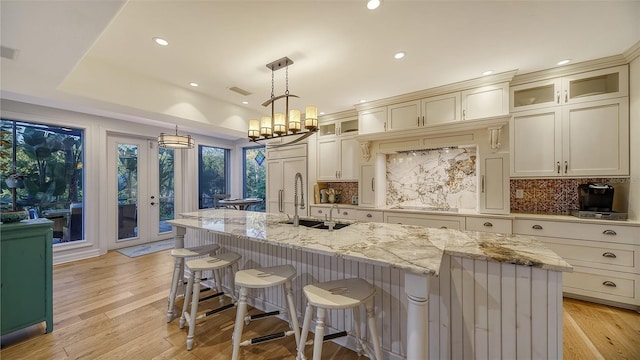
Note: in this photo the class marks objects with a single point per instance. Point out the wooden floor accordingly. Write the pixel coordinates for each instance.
(114, 307)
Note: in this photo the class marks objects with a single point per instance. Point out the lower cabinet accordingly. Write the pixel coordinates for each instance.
(347, 212)
(26, 291)
(605, 258)
(434, 221)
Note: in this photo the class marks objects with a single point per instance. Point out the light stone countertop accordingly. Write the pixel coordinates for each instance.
(412, 248)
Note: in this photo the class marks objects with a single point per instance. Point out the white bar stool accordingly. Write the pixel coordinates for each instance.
(226, 261)
(339, 294)
(179, 256)
(261, 278)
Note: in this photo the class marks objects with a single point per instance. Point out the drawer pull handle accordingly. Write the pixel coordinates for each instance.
(319, 211)
(609, 283)
(345, 213)
(443, 227)
(369, 215)
(488, 224)
(609, 232)
(609, 255)
(537, 227)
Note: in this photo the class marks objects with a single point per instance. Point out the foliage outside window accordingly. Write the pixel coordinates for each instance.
(166, 166)
(255, 175)
(48, 162)
(213, 175)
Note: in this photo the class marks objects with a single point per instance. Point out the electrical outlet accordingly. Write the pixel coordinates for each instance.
(519, 193)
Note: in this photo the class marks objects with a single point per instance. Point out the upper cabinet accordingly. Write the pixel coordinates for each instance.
(485, 101)
(578, 88)
(424, 112)
(338, 151)
(372, 121)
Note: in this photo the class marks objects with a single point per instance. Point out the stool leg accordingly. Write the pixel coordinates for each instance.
(218, 280)
(231, 275)
(194, 308)
(187, 300)
(357, 328)
(241, 312)
(174, 289)
(373, 329)
(293, 316)
(306, 324)
(319, 336)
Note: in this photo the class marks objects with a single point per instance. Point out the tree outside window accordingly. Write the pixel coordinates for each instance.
(255, 175)
(213, 175)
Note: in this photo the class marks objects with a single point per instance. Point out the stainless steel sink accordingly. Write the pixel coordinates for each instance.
(318, 224)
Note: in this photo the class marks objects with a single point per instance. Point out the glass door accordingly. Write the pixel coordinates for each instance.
(141, 191)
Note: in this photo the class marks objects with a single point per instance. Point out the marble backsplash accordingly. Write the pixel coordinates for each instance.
(439, 178)
(560, 196)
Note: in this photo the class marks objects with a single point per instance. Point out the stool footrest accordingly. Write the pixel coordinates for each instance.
(211, 296)
(261, 339)
(334, 336)
(262, 315)
(221, 308)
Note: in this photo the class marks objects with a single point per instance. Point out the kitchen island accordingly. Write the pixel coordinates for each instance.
(441, 293)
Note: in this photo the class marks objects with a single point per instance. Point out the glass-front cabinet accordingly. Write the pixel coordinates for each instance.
(340, 127)
(588, 86)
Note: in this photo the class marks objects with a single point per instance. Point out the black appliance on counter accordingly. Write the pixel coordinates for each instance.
(596, 202)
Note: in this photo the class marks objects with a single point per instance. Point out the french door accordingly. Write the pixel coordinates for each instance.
(140, 190)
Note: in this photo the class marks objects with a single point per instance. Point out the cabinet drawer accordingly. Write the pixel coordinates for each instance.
(343, 213)
(492, 225)
(369, 216)
(443, 222)
(581, 231)
(608, 256)
(602, 284)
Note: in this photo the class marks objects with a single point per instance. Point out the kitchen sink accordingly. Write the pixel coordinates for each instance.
(318, 224)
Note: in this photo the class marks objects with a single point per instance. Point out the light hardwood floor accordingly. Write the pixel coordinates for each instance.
(113, 307)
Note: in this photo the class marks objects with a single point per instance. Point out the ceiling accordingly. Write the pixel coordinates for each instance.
(97, 56)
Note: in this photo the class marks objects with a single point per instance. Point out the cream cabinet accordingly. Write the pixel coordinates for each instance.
(494, 184)
(372, 121)
(366, 186)
(282, 166)
(605, 257)
(577, 88)
(427, 220)
(338, 159)
(485, 101)
(348, 213)
(485, 224)
(582, 139)
(338, 127)
(430, 111)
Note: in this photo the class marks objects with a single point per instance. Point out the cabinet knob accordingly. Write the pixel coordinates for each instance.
(537, 227)
(488, 224)
(609, 255)
(369, 215)
(609, 232)
(609, 283)
(345, 213)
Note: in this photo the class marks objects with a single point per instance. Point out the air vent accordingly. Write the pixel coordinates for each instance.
(239, 91)
(8, 53)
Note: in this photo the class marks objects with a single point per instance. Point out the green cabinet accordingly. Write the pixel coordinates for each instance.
(26, 290)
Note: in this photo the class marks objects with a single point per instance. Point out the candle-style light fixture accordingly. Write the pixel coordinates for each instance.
(285, 123)
(176, 141)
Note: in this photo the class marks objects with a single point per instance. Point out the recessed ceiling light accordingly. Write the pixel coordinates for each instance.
(564, 62)
(194, 84)
(488, 72)
(321, 112)
(399, 55)
(161, 41)
(245, 102)
(373, 4)
(363, 100)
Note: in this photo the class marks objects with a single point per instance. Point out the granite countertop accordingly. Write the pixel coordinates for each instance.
(411, 248)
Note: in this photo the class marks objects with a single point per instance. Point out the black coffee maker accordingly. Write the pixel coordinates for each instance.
(595, 197)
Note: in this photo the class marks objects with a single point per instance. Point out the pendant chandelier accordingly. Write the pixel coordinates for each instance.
(176, 141)
(283, 124)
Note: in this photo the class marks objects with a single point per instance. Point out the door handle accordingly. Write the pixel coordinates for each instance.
(566, 96)
(558, 166)
(482, 182)
(566, 166)
(558, 95)
(373, 188)
(280, 196)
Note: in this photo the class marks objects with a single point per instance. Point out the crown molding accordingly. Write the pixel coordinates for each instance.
(633, 52)
(565, 70)
(352, 113)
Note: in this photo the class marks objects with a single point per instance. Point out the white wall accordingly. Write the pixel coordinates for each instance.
(96, 129)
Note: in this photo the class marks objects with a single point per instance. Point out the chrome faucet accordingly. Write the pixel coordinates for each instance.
(296, 218)
(330, 223)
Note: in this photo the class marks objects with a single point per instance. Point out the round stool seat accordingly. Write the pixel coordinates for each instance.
(214, 262)
(339, 294)
(265, 277)
(195, 251)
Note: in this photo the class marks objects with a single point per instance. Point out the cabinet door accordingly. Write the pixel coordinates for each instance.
(289, 169)
(328, 159)
(372, 121)
(349, 158)
(596, 138)
(535, 95)
(274, 186)
(404, 116)
(536, 143)
(494, 184)
(441, 109)
(596, 85)
(367, 186)
(486, 101)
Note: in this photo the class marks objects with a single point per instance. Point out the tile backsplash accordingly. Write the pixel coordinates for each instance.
(345, 189)
(442, 178)
(559, 196)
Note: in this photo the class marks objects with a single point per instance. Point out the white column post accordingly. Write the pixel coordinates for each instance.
(417, 290)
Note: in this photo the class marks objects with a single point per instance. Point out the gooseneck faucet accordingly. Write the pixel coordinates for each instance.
(296, 218)
(330, 223)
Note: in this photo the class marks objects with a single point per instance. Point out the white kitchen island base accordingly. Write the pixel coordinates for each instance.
(476, 309)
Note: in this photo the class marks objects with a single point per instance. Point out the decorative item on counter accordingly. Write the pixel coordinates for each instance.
(333, 196)
(14, 216)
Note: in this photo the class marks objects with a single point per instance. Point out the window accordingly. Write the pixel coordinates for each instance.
(213, 175)
(255, 174)
(166, 188)
(46, 163)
